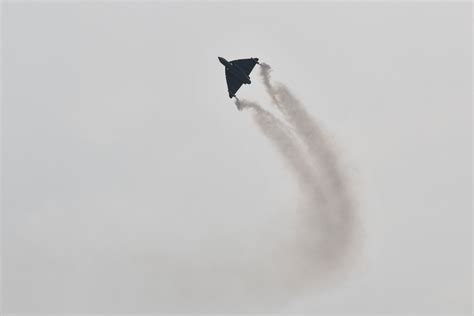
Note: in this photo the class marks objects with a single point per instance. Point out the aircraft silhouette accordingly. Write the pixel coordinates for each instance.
(237, 73)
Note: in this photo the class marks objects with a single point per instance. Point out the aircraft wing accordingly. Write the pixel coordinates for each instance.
(245, 64)
(233, 83)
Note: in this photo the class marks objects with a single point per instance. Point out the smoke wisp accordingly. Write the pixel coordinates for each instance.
(328, 219)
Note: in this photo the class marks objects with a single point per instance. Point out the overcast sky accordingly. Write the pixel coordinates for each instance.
(128, 173)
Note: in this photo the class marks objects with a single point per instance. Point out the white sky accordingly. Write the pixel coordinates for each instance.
(123, 157)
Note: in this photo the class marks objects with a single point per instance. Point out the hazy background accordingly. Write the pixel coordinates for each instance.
(125, 165)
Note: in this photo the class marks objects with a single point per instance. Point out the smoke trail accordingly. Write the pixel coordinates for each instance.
(283, 139)
(328, 223)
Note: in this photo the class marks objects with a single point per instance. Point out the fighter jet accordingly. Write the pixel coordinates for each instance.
(237, 73)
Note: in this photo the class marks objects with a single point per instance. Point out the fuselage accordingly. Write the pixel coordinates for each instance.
(235, 70)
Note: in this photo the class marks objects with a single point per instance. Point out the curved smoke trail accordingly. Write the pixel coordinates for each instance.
(328, 212)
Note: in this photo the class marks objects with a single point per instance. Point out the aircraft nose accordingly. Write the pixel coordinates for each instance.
(221, 59)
